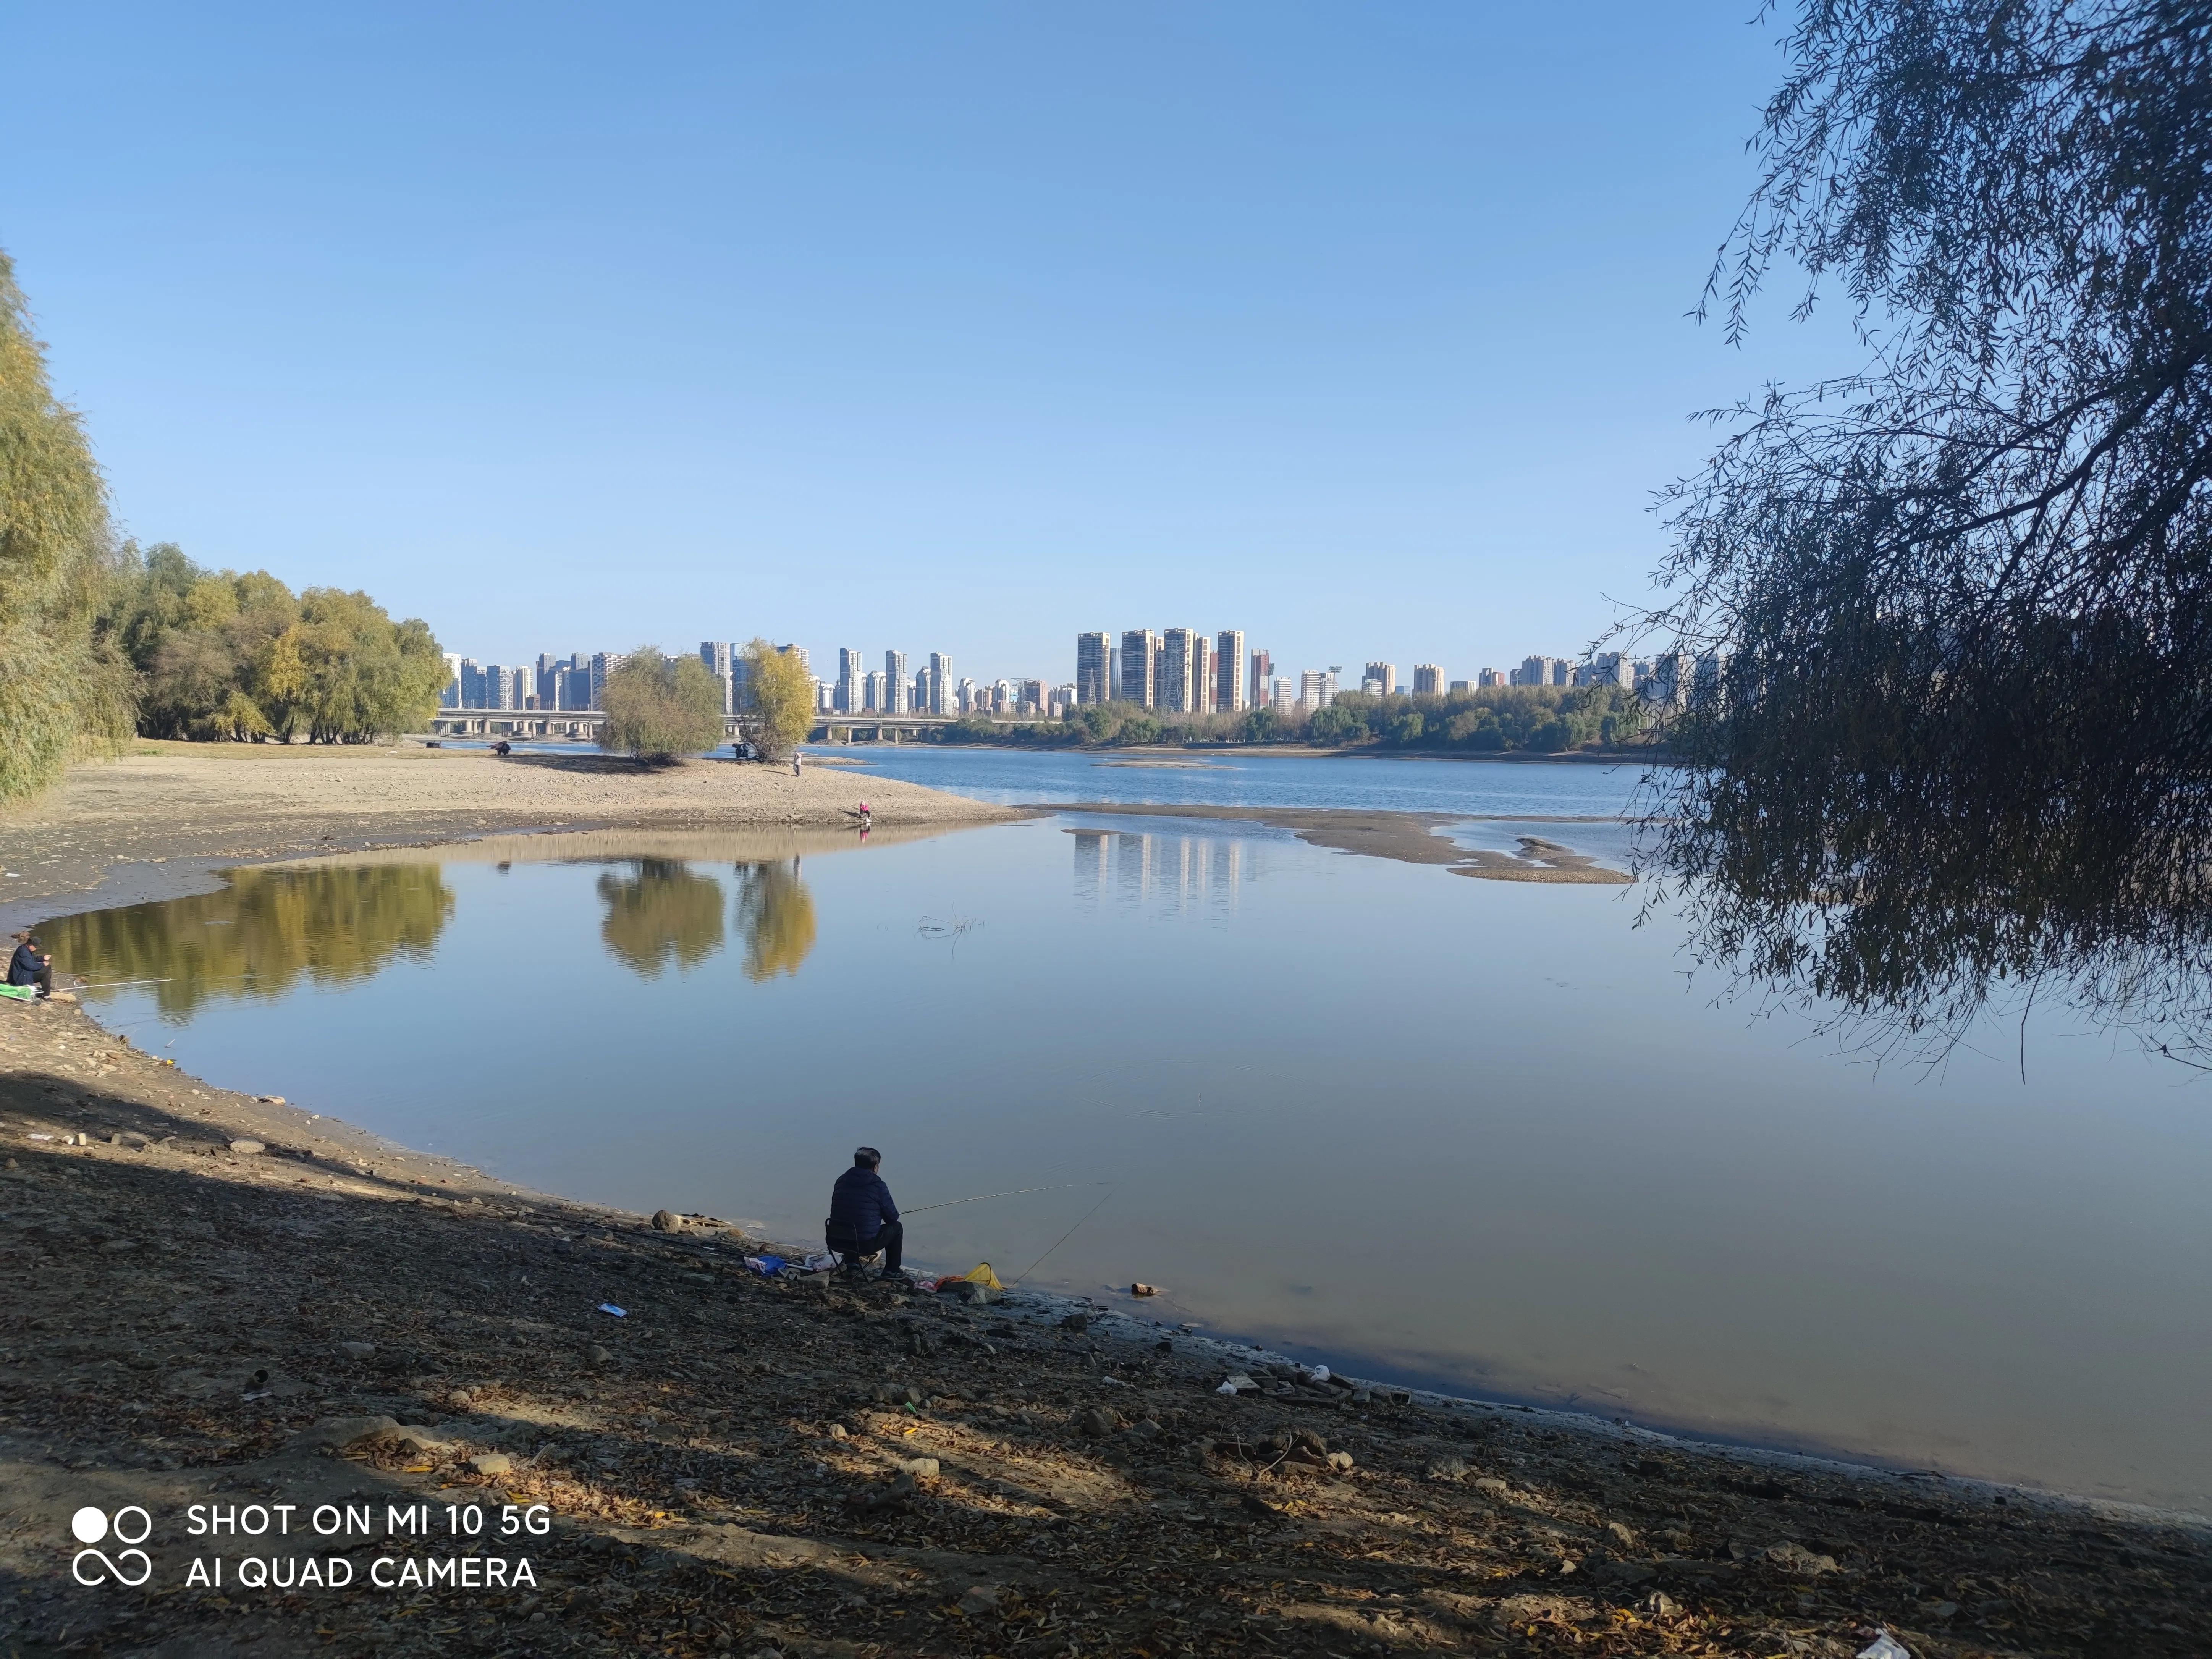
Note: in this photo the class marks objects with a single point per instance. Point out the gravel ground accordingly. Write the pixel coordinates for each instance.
(757, 1467)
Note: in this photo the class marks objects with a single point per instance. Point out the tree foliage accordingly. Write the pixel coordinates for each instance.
(220, 654)
(661, 708)
(1964, 596)
(63, 686)
(779, 699)
(1537, 718)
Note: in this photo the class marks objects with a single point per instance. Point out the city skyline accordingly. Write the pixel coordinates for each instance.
(1174, 669)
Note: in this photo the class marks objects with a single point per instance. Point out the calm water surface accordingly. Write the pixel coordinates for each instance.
(1457, 1132)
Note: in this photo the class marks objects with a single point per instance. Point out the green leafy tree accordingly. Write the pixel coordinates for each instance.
(660, 709)
(779, 699)
(240, 657)
(64, 688)
(1340, 725)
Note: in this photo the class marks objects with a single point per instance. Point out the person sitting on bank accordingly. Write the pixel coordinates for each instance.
(31, 966)
(863, 1219)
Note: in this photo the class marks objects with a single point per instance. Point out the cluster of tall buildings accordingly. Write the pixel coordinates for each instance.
(931, 688)
(574, 683)
(551, 683)
(1182, 670)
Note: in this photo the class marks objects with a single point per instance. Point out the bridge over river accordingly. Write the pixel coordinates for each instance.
(583, 725)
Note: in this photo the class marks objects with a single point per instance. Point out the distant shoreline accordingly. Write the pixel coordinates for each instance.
(1285, 750)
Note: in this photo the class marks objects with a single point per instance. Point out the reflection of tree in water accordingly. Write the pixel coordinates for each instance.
(777, 913)
(261, 933)
(664, 910)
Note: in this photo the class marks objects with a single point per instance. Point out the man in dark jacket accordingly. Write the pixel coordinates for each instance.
(862, 1218)
(31, 966)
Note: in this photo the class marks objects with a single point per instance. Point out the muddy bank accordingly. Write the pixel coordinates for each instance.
(159, 823)
(1409, 838)
(734, 1465)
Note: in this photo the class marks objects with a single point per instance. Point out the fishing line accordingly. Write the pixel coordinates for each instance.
(1063, 1238)
(1014, 1192)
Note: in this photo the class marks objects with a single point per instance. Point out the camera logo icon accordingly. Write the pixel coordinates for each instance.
(128, 1525)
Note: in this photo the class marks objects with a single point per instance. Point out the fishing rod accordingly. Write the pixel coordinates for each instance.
(120, 984)
(1012, 1192)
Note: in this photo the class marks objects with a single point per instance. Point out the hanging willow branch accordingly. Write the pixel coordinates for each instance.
(1956, 730)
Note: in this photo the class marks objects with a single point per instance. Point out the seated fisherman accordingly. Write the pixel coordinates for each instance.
(863, 1219)
(31, 966)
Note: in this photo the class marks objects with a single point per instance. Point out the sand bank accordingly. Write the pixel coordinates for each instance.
(158, 822)
(1409, 838)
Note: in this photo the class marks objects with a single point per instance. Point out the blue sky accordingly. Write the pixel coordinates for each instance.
(956, 327)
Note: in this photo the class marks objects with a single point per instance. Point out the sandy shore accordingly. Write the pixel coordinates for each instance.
(157, 823)
(1409, 838)
(219, 1299)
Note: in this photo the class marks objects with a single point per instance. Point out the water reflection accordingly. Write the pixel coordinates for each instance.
(777, 913)
(663, 912)
(261, 933)
(1164, 874)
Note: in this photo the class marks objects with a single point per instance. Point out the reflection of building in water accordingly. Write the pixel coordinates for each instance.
(1181, 875)
(1090, 867)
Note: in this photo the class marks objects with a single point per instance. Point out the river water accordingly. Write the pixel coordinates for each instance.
(1478, 1135)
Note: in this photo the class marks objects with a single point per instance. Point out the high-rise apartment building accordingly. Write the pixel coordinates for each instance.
(1428, 680)
(1094, 669)
(939, 699)
(1380, 679)
(451, 697)
(721, 658)
(1229, 672)
(1607, 668)
(604, 663)
(1140, 650)
(1181, 668)
(875, 693)
(1491, 677)
(1280, 698)
(1537, 671)
(846, 697)
(900, 693)
(1263, 675)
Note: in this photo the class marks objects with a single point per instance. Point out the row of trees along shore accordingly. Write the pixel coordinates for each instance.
(1534, 719)
(99, 642)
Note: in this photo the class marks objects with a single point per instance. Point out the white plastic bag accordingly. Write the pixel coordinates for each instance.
(1885, 1646)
